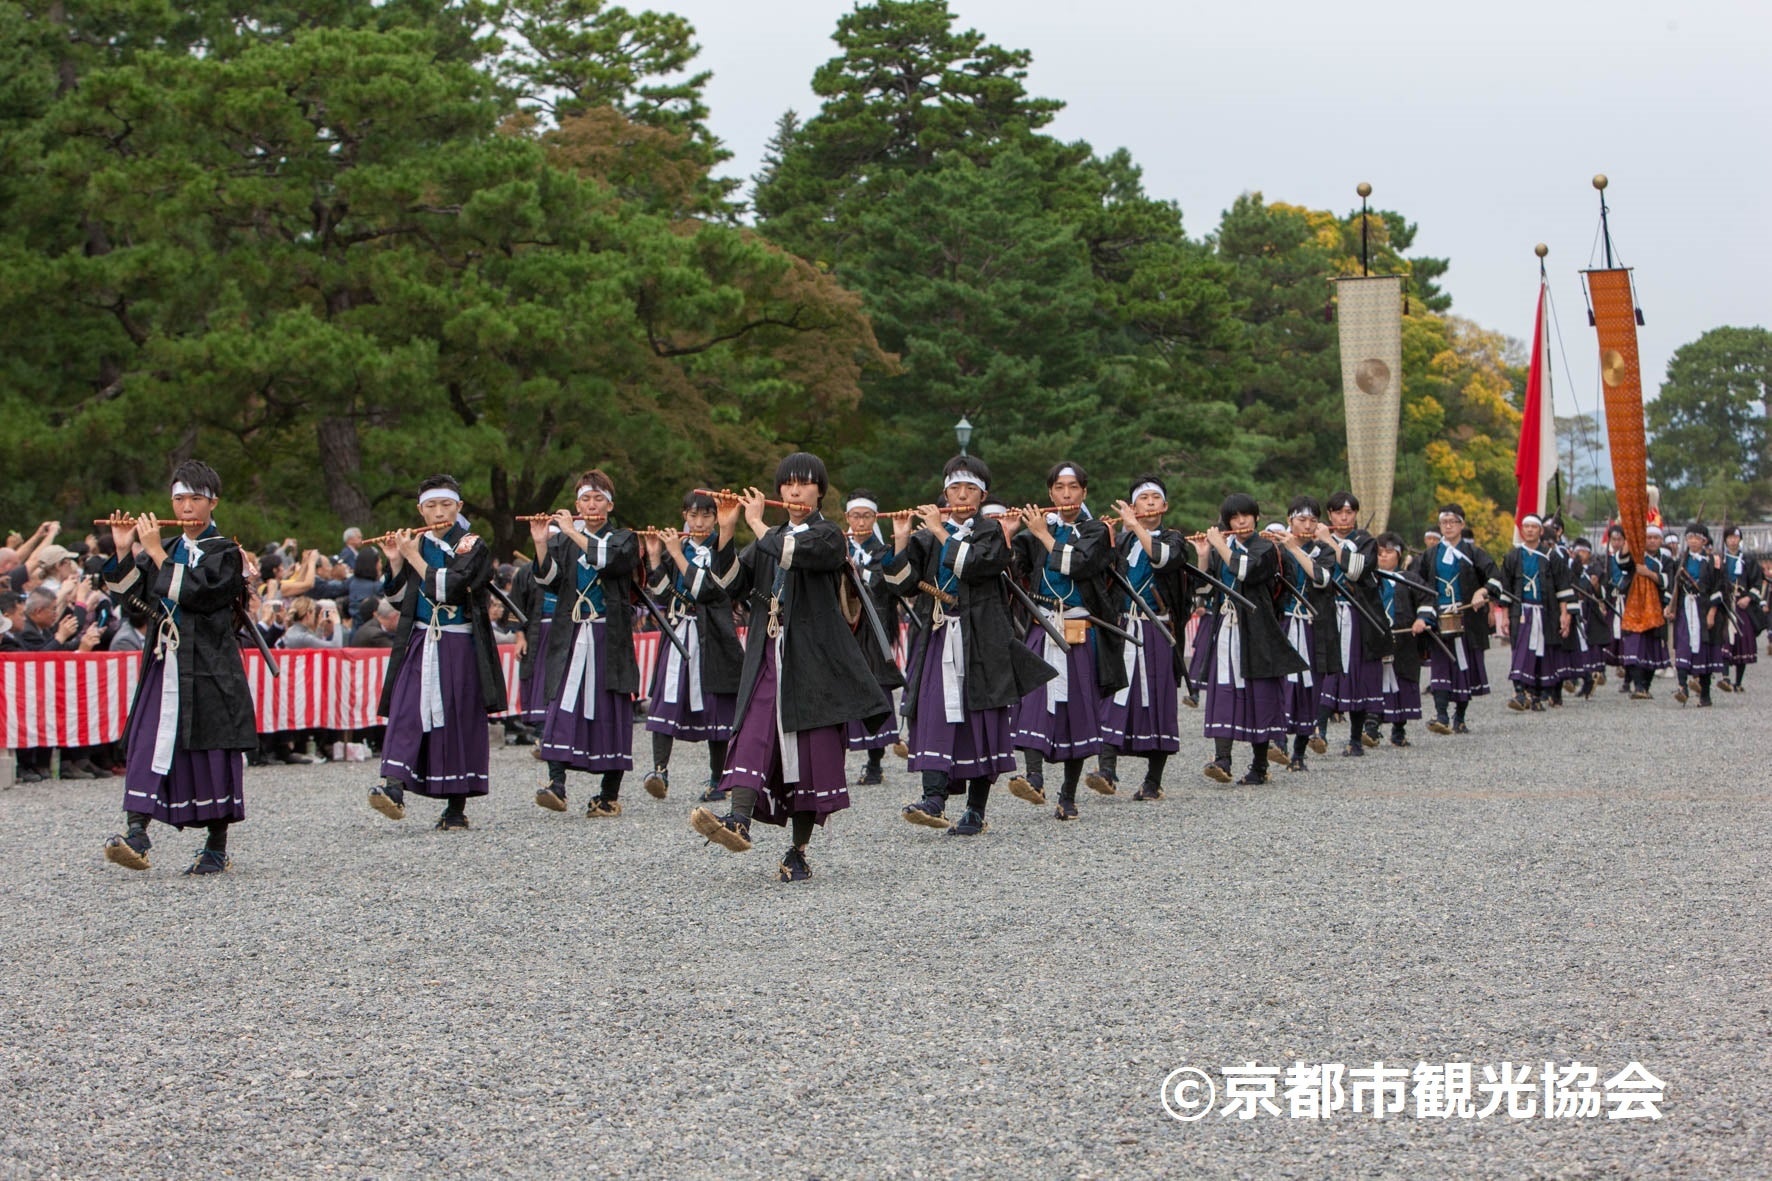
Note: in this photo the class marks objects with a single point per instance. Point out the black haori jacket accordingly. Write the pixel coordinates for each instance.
(870, 567)
(615, 553)
(1266, 650)
(1326, 627)
(214, 703)
(1173, 552)
(722, 656)
(1479, 571)
(1358, 554)
(461, 582)
(822, 679)
(1554, 592)
(1085, 559)
(1708, 589)
(999, 671)
(1410, 651)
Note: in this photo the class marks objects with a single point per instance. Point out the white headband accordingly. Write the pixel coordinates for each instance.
(1534, 518)
(1147, 486)
(1062, 472)
(1275, 527)
(1303, 512)
(180, 488)
(994, 510)
(586, 489)
(965, 478)
(1655, 529)
(434, 494)
(861, 502)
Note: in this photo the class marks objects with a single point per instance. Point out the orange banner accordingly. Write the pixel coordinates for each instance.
(1615, 319)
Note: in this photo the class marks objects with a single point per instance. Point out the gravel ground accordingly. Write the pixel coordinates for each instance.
(550, 995)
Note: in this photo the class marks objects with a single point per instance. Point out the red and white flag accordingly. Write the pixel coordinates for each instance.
(1537, 459)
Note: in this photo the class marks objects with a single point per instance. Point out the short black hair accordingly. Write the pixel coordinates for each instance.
(699, 502)
(199, 476)
(8, 602)
(966, 463)
(1581, 543)
(1147, 478)
(368, 563)
(1302, 504)
(1614, 531)
(1732, 531)
(803, 467)
(447, 483)
(1390, 540)
(1057, 470)
(1700, 528)
(1344, 499)
(1237, 504)
(596, 478)
(1456, 510)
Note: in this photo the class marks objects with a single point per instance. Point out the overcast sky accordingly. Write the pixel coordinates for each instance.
(1484, 123)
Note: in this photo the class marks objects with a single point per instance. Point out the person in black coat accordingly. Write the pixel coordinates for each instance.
(804, 678)
(1142, 716)
(692, 699)
(192, 720)
(1356, 689)
(966, 670)
(870, 553)
(1307, 612)
(443, 676)
(1744, 589)
(1064, 556)
(1402, 598)
(1699, 614)
(592, 675)
(1465, 579)
(1246, 654)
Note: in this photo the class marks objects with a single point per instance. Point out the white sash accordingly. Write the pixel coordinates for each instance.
(166, 728)
(1344, 623)
(1229, 670)
(789, 739)
(1295, 625)
(689, 632)
(1137, 670)
(1535, 627)
(953, 669)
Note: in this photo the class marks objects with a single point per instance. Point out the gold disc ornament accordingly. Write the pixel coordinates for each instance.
(1372, 376)
(1611, 368)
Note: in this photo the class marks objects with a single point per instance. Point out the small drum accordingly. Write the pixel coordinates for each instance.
(1076, 631)
(1452, 622)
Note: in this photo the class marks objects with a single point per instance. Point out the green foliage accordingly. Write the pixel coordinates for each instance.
(1708, 439)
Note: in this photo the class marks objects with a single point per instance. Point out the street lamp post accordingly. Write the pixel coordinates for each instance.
(963, 433)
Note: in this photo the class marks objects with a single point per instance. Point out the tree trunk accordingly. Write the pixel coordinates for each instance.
(341, 460)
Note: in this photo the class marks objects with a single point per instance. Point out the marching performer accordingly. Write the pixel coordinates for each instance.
(966, 670)
(1357, 687)
(1464, 577)
(537, 604)
(692, 699)
(1142, 717)
(1307, 611)
(1590, 616)
(591, 670)
(1641, 653)
(192, 721)
(804, 679)
(869, 551)
(1536, 591)
(1246, 657)
(443, 675)
(1745, 591)
(1065, 554)
(1700, 615)
(1403, 599)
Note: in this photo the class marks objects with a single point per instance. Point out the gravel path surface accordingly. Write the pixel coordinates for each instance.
(548, 995)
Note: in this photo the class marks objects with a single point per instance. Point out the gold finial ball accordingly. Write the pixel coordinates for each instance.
(1541, 250)
(1600, 181)
(1364, 189)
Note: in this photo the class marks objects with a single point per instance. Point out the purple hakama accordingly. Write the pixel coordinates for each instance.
(201, 787)
(1643, 650)
(452, 759)
(1695, 659)
(1072, 727)
(882, 737)
(754, 759)
(979, 747)
(1145, 716)
(1360, 686)
(600, 744)
(680, 719)
(1238, 708)
(1744, 648)
(1300, 692)
(1530, 669)
(1402, 698)
(1460, 682)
